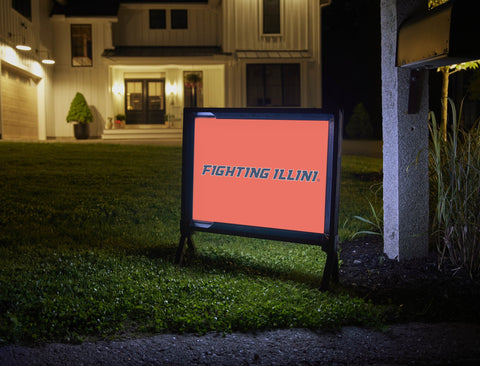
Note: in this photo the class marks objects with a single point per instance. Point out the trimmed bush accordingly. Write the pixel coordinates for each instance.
(79, 110)
(359, 125)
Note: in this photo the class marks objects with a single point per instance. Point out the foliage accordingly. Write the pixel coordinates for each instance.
(79, 110)
(434, 3)
(455, 165)
(193, 78)
(446, 72)
(359, 126)
(120, 117)
(360, 195)
(375, 223)
(79, 264)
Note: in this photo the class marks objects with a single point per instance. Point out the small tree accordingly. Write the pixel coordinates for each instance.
(359, 125)
(79, 110)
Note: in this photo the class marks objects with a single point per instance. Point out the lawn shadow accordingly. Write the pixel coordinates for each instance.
(223, 262)
(246, 266)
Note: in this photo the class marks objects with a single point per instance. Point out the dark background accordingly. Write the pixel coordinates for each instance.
(351, 58)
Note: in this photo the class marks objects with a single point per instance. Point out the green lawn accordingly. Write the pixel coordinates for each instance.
(88, 234)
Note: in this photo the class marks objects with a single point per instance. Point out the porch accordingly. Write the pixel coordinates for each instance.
(144, 132)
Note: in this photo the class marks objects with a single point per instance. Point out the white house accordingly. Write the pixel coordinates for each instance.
(148, 60)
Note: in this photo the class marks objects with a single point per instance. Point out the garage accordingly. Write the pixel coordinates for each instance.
(19, 117)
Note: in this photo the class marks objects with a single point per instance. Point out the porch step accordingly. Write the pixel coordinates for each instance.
(171, 134)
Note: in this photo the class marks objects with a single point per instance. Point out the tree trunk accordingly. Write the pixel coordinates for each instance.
(444, 98)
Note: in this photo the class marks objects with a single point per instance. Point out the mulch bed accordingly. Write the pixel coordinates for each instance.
(424, 291)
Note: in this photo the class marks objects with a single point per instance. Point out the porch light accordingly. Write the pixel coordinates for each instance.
(23, 47)
(46, 60)
(172, 88)
(118, 89)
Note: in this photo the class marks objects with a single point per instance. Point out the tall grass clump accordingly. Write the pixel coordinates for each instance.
(455, 181)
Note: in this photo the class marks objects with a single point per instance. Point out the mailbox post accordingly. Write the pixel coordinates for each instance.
(441, 37)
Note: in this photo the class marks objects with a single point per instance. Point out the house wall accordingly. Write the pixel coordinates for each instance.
(301, 31)
(91, 81)
(242, 25)
(37, 34)
(133, 29)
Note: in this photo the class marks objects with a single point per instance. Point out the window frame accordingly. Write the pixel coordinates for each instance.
(283, 80)
(261, 18)
(154, 13)
(178, 11)
(89, 46)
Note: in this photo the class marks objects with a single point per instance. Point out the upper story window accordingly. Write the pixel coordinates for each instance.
(273, 85)
(158, 19)
(179, 19)
(81, 40)
(168, 19)
(271, 17)
(24, 7)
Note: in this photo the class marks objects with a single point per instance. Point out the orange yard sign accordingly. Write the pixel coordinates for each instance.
(268, 173)
(265, 173)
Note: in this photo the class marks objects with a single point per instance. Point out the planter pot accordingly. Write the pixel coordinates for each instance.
(81, 131)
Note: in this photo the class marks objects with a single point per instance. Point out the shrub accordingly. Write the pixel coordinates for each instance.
(79, 110)
(359, 125)
(455, 179)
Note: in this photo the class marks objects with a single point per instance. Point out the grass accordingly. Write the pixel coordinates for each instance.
(88, 235)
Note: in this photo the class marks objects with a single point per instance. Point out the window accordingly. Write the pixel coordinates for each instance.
(179, 19)
(271, 17)
(24, 7)
(158, 19)
(81, 45)
(273, 85)
(192, 89)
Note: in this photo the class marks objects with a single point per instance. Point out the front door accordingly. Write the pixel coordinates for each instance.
(145, 101)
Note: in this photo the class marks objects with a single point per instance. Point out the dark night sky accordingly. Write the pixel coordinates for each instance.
(351, 57)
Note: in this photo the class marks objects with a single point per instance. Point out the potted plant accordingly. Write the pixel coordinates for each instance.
(120, 121)
(81, 116)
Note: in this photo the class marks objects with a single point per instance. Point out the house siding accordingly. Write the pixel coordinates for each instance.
(233, 26)
(133, 28)
(91, 81)
(37, 33)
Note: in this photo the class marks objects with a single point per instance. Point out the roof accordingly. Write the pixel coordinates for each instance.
(159, 51)
(85, 8)
(92, 8)
(273, 54)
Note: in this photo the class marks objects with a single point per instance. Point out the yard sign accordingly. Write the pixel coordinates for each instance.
(264, 173)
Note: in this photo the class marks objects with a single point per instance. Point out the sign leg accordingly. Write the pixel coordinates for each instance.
(185, 242)
(331, 271)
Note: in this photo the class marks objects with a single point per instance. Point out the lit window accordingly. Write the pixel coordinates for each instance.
(81, 45)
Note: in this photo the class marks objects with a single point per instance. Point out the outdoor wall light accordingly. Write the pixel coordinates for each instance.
(172, 88)
(118, 89)
(46, 60)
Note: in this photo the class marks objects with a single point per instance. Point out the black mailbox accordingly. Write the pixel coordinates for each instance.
(446, 35)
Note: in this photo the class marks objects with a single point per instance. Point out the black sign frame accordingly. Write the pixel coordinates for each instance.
(327, 240)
